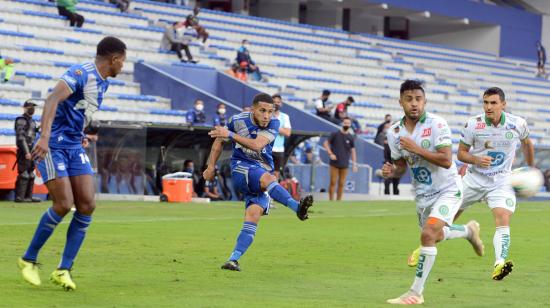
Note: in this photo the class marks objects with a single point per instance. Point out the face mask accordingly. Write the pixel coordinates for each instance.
(221, 111)
(345, 127)
(199, 107)
(277, 107)
(30, 111)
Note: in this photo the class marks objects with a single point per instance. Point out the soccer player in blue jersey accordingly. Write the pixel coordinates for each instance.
(62, 162)
(252, 135)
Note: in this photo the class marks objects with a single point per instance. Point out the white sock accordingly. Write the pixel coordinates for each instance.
(455, 231)
(501, 242)
(425, 262)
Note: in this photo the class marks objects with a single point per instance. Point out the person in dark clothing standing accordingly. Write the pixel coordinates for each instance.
(387, 159)
(387, 119)
(541, 55)
(25, 133)
(340, 146)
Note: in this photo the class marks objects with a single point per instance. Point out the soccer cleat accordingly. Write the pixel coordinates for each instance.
(29, 270)
(62, 277)
(305, 204)
(502, 269)
(474, 239)
(409, 298)
(413, 258)
(231, 265)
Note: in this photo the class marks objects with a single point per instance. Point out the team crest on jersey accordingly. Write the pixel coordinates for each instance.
(510, 126)
(481, 125)
(78, 72)
(427, 132)
(440, 125)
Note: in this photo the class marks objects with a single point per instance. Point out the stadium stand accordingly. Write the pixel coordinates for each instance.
(299, 61)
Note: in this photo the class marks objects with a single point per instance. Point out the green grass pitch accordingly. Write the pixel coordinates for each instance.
(348, 254)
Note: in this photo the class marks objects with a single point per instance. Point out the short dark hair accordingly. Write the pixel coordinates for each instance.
(186, 162)
(346, 118)
(409, 85)
(198, 100)
(350, 99)
(245, 40)
(262, 97)
(493, 91)
(110, 45)
(277, 95)
(326, 92)
(221, 104)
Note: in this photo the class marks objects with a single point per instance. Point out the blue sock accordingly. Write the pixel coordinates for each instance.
(245, 239)
(281, 195)
(75, 236)
(45, 228)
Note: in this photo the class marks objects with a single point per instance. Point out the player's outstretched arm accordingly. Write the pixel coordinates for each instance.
(215, 153)
(465, 156)
(256, 144)
(60, 93)
(528, 151)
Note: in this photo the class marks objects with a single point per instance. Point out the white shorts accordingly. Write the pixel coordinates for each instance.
(442, 206)
(501, 195)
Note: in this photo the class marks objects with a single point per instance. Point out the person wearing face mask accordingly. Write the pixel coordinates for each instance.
(196, 115)
(25, 132)
(284, 131)
(219, 118)
(340, 146)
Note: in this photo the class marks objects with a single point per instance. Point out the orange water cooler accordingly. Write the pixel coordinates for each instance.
(177, 187)
(8, 173)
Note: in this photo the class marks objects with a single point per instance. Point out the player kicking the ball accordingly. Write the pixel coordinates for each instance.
(488, 145)
(252, 135)
(422, 141)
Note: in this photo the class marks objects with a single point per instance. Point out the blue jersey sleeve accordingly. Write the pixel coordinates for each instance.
(75, 78)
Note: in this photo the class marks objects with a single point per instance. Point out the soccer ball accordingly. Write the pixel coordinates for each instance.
(526, 181)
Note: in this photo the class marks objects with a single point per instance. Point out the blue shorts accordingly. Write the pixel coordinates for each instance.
(246, 179)
(60, 163)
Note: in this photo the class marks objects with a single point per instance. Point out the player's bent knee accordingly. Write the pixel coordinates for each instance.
(86, 208)
(267, 179)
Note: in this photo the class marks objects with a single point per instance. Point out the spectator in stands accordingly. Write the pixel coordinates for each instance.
(245, 61)
(6, 69)
(340, 146)
(211, 190)
(122, 5)
(192, 20)
(189, 167)
(67, 8)
(219, 118)
(541, 55)
(341, 110)
(237, 72)
(323, 108)
(285, 129)
(196, 116)
(174, 41)
(387, 119)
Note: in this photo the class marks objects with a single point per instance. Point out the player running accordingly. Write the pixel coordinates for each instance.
(62, 162)
(252, 135)
(488, 145)
(422, 141)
